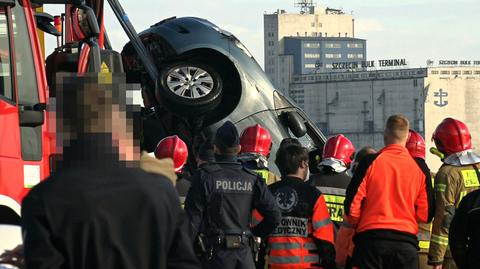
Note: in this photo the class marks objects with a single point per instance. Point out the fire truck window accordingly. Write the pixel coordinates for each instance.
(6, 89)
(26, 76)
(27, 90)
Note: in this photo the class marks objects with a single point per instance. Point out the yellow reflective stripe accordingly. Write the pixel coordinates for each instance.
(334, 199)
(263, 174)
(335, 206)
(424, 244)
(470, 178)
(438, 239)
(440, 187)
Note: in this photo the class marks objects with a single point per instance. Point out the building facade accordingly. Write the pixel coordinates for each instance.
(317, 22)
(452, 91)
(357, 104)
(318, 54)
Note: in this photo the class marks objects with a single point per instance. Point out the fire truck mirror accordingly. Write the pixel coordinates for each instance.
(31, 118)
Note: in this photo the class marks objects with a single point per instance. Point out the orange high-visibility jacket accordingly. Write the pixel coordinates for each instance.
(304, 238)
(390, 191)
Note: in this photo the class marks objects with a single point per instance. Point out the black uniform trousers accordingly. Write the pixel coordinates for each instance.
(384, 254)
(230, 259)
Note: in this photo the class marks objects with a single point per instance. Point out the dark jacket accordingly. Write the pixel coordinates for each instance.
(222, 197)
(333, 187)
(96, 213)
(304, 239)
(464, 236)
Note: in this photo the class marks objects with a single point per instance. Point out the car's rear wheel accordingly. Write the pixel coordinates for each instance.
(190, 86)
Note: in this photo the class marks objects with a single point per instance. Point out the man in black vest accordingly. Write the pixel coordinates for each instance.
(220, 202)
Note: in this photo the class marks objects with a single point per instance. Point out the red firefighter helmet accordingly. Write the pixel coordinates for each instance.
(256, 139)
(173, 147)
(452, 136)
(416, 145)
(340, 148)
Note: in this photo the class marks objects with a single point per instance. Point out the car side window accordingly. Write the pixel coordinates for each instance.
(6, 89)
(26, 75)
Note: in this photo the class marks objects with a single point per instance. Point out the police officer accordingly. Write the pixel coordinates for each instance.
(416, 147)
(457, 177)
(256, 143)
(333, 179)
(175, 148)
(220, 202)
(464, 236)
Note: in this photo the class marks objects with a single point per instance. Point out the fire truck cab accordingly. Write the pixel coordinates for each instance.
(26, 145)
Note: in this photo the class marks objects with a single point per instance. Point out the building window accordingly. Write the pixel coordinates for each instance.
(309, 66)
(333, 45)
(329, 66)
(333, 55)
(315, 45)
(298, 34)
(314, 33)
(313, 24)
(467, 72)
(445, 73)
(355, 56)
(319, 24)
(355, 45)
(434, 72)
(312, 55)
(306, 34)
(456, 72)
(415, 83)
(320, 34)
(346, 34)
(326, 35)
(477, 73)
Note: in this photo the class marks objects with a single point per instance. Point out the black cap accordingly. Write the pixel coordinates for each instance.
(227, 135)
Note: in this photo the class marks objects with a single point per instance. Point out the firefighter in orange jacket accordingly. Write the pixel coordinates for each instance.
(304, 238)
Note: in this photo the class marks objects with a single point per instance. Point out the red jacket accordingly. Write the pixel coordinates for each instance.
(389, 191)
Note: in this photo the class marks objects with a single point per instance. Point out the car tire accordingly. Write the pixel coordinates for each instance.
(190, 87)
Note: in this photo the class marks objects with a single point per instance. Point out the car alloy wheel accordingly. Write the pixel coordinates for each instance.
(190, 82)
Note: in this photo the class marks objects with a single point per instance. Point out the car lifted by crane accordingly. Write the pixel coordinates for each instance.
(194, 76)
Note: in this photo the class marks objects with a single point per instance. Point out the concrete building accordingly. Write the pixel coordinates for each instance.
(316, 22)
(452, 91)
(317, 54)
(357, 104)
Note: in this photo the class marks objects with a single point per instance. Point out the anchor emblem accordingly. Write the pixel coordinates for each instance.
(442, 96)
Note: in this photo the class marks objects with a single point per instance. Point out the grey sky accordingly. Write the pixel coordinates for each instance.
(413, 29)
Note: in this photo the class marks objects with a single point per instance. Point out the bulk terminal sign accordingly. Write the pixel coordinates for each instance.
(455, 62)
(366, 64)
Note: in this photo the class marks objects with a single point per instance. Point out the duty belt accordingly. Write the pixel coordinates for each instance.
(230, 241)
